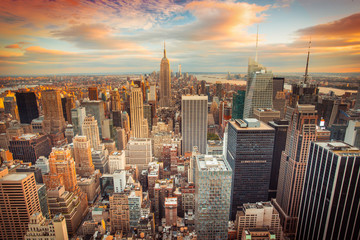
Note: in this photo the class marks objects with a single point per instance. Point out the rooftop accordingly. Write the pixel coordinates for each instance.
(212, 163)
(340, 148)
(14, 177)
(242, 125)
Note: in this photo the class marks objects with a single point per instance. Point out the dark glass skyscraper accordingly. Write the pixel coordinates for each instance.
(281, 128)
(238, 105)
(250, 147)
(27, 106)
(330, 202)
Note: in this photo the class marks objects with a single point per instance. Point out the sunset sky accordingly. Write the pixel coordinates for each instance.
(114, 36)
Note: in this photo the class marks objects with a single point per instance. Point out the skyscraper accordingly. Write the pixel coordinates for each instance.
(259, 88)
(77, 116)
(62, 170)
(250, 147)
(82, 156)
(194, 112)
(27, 106)
(96, 109)
(165, 82)
(91, 131)
(18, 201)
(330, 200)
(301, 131)
(281, 128)
(136, 112)
(115, 100)
(93, 93)
(213, 177)
(54, 121)
(238, 105)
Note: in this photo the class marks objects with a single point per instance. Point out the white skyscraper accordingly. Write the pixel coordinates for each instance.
(259, 88)
(194, 112)
(91, 131)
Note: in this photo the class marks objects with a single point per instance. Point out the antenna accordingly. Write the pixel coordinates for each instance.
(257, 40)
(307, 63)
(164, 50)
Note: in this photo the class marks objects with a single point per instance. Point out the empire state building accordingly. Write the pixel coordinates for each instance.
(165, 82)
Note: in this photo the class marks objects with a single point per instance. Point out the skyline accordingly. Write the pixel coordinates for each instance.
(64, 37)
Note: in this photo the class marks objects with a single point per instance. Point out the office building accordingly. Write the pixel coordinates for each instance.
(116, 161)
(278, 85)
(213, 177)
(82, 156)
(93, 93)
(119, 212)
(119, 180)
(96, 109)
(238, 103)
(40, 228)
(62, 170)
(115, 100)
(301, 131)
(165, 82)
(250, 146)
(194, 112)
(266, 114)
(259, 88)
(67, 104)
(330, 202)
(100, 159)
(171, 211)
(54, 121)
(11, 107)
(91, 131)
(43, 163)
(43, 200)
(73, 208)
(136, 112)
(139, 152)
(281, 127)
(258, 215)
(352, 134)
(29, 147)
(27, 106)
(77, 117)
(18, 201)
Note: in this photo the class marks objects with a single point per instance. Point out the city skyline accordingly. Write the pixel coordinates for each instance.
(59, 37)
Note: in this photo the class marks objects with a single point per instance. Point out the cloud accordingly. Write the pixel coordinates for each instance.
(347, 26)
(13, 46)
(41, 50)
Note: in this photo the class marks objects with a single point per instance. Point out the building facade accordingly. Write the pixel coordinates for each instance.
(194, 113)
(330, 202)
(213, 177)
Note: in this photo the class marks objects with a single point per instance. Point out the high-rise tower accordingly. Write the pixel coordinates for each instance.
(91, 131)
(250, 145)
(18, 201)
(301, 131)
(27, 106)
(54, 121)
(136, 112)
(82, 155)
(165, 82)
(212, 196)
(194, 112)
(330, 200)
(259, 88)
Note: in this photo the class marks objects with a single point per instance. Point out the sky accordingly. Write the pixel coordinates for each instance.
(119, 36)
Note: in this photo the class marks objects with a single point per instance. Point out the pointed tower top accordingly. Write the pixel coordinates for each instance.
(257, 40)
(307, 64)
(164, 50)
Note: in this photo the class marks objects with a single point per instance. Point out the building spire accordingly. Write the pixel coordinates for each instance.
(257, 40)
(164, 50)
(307, 64)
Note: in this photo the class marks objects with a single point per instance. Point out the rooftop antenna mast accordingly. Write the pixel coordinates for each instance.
(257, 40)
(307, 64)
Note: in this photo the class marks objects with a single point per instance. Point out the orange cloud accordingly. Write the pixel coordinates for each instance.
(41, 50)
(13, 46)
